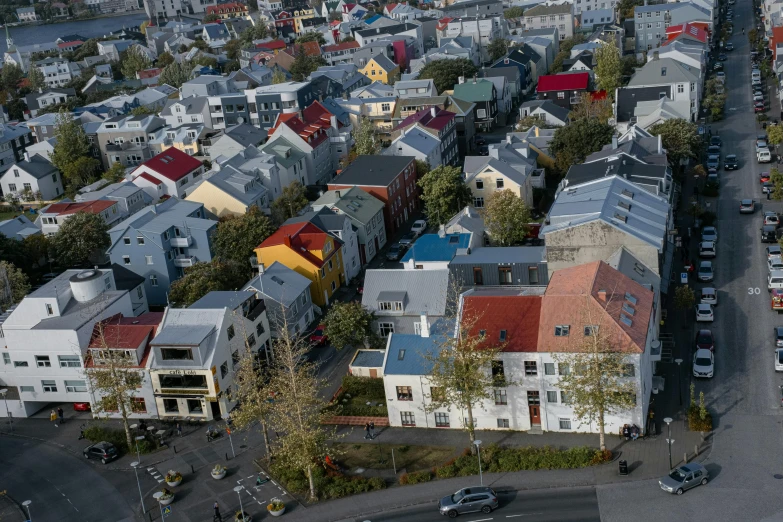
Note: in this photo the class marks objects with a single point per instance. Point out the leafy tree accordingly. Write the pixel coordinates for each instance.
(165, 58)
(232, 49)
(684, 299)
(143, 27)
(348, 39)
(16, 108)
(81, 237)
(629, 65)
(506, 217)
(312, 37)
(175, 74)
(777, 184)
(37, 249)
(237, 236)
(257, 32)
(565, 52)
(71, 143)
(596, 384)
(366, 142)
(83, 171)
(526, 123)
(498, 48)
(513, 12)
(445, 73)
(88, 48)
(36, 79)
(626, 8)
(116, 172)
(10, 77)
(608, 68)
(680, 138)
(303, 64)
(201, 45)
(133, 60)
(589, 108)
(211, 18)
(278, 77)
(572, 143)
(422, 168)
(13, 251)
(293, 198)
(350, 324)
(203, 278)
(15, 285)
(205, 61)
(775, 135)
(444, 193)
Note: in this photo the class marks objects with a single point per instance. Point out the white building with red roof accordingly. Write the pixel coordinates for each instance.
(172, 173)
(55, 214)
(312, 138)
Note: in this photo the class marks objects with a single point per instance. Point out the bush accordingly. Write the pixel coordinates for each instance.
(696, 423)
(364, 386)
(99, 433)
(328, 485)
(417, 477)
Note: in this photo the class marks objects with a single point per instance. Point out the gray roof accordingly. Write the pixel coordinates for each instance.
(373, 170)
(284, 151)
(663, 71)
(520, 254)
(279, 283)
(246, 135)
(325, 219)
(421, 291)
(409, 354)
(650, 177)
(417, 139)
(548, 106)
(626, 263)
(368, 359)
(125, 279)
(345, 200)
(233, 181)
(223, 299)
(157, 219)
(38, 167)
(383, 62)
(628, 98)
(18, 228)
(182, 335)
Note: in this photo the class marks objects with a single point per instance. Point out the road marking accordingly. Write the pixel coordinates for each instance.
(524, 515)
(482, 520)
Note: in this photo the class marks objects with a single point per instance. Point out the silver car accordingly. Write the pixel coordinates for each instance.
(705, 271)
(684, 477)
(469, 500)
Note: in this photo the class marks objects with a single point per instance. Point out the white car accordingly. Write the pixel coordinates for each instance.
(758, 97)
(775, 263)
(771, 218)
(419, 226)
(703, 363)
(779, 360)
(704, 313)
(709, 234)
(709, 296)
(707, 249)
(774, 250)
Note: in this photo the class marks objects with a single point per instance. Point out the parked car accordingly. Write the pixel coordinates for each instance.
(469, 500)
(774, 250)
(706, 249)
(408, 239)
(767, 187)
(758, 98)
(705, 340)
(81, 406)
(483, 150)
(713, 150)
(419, 226)
(778, 332)
(705, 272)
(683, 478)
(779, 359)
(775, 263)
(758, 107)
(721, 76)
(729, 46)
(105, 451)
(747, 206)
(722, 57)
(768, 234)
(703, 364)
(395, 252)
(709, 234)
(730, 162)
(709, 296)
(319, 337)
(479, 140)
(763, 177)
(717, 66)
(771, 218)
(713, 163)
(761, 142)
(704, 313)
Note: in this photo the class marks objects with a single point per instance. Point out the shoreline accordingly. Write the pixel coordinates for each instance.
(73, 20)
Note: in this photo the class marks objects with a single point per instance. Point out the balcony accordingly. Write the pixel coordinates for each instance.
(184, 261)
(181, 242)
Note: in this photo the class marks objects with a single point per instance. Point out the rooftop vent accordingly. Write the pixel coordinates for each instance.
(401, 355)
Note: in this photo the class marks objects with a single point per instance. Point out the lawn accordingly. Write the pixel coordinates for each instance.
(379, 456)
(9, 214)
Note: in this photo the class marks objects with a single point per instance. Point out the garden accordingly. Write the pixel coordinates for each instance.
(360, 396)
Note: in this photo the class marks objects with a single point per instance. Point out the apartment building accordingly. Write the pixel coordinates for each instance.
(482, 29)
(57, 71)
(124, 139)
(266, 103)
(287, 297)
(558, 16)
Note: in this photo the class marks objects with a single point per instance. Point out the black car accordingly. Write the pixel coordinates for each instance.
(395, 252)
(722, 57)
(779, 336)
(479, 140)
(730, 162)
(715, 140)
(713, 150)
(483, 150)
(768, 234)
(713, 163)
(105, 451)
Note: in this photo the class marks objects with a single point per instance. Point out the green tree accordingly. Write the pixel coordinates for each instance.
(366, 141)
(210, 18)
(506, 218)
(115, 173)
(237, 236)
(37, 250)
(629, 65)
(776, 178)
(278, 77)
(303, 64)
(565, 52)
(497, 48)
(312, 37)
(608, 68)
(35, 79)
(680, 138)
(15, 285)
(444, 193)
(10, 77)
(232, 49)
(684, 299)
(71, 142)
(292, 199)
(526, 123)
(445, 73)
(175, 74)
(132, 61)
(203, 278)
(165, 58)
(13, 251)
(513, 12)
(572, 143)
(589, 108)
(88, 48)
(205, 61)
(348, 39)
(775, 135)
(83, 171)
(350, 324)
(81, 238)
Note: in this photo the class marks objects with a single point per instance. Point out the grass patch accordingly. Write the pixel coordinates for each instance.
(356, 393)
(379, 456)
(7, 212)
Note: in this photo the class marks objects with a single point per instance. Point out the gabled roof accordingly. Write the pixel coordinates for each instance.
(507, 311)
(628, 99)
(246, 135)
(172, 163)
(563, 82)
(542, 9)
(663, 71)
(417, 139)
(301, 238)
(433, 118)
(37, 166)
(420, 291)
(312, 134)
(547, 106)
(90, 207)
(384, 63)
(476, 90)
(353, 202)
(372, 171)
(279, 283)
(649, 177)
(341, 46)
(692, 30)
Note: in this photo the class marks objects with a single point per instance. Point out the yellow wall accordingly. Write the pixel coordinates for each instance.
(303, 14)
(490, 177)
(217, 201)
(190, 150)
(374, 72)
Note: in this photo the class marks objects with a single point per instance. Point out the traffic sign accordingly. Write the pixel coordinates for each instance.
(166, 510)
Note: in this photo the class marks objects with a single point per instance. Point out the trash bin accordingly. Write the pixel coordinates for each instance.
(623, 467)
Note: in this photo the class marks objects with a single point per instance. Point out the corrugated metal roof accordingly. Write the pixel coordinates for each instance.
(407, 354)
(432, 247)
(425, 290)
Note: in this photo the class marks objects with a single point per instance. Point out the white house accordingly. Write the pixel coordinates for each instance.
(53, 216)
(171, 173)
(32, 176)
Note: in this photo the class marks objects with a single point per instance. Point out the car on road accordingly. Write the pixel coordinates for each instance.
(703, 363)
(721, 76)
(469, 500)
(758, 98)
(713, 163)
(713, 150)
(706, 273)
(718, 66)
(730, 162)
(774, 250)
(709, 234)
(763, 177)
(683, 478)
(395, 252)
(319, 337)
(105, 451)
(775, 263)
(707, 249)
(704, 313)
(758, 92)
(771, 218)
(747, 206)
(483, 150)
(761, 142)
(767, 187)
(768, 234)
(479, 140)
(756, 82)
(709, 296)
(81, 406)
(729, 46)
(419, 226)
(722, 57)
(705, 340)
(779, 360)
(408, 239)
(758, 107)
(778, 332)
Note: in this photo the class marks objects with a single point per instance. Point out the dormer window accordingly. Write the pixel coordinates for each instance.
(390, 306)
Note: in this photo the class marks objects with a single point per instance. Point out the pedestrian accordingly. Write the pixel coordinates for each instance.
(179, 429)
(217, 517)
(61, 415)
(366, 430)
(372, 430)
(53, 417)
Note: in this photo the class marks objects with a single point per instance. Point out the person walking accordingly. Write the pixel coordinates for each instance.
(366, 430)
(53, 417)
(216, 517)
(372, 430)
(61, 415)
(179, 429)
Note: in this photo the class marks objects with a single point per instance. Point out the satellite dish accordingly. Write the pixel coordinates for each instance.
(240, 120)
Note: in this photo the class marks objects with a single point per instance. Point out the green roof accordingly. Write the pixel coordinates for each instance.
(285, 152)
(479, 91)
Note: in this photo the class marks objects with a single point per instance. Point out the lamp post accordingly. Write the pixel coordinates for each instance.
(238, 489)
(478, 447)
(3, 391)
(679, 378)
(135, 466)
(668, 421)
(26, 504)
(138, 455)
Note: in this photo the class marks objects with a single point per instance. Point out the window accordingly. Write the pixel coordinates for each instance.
(561, 96)
(154, 280)
(385, 107)
(6, 358)
(565, 397)
(20, 364)
(224, 370)
(140, 292)
(126, 260)
(126, 240)
(479, 184)
(562, 330)
(442, 420)
(531, 368)
(503, 423)
(384, 329)
(590, 329)
(499, 183)
(504, 275)
(140, 240)
(194, 406)
(148, 259)
(551, 397)
(502, 336)
(565, 424)
(138, 405)
(629, 370)
(251, 340)
(330, 265)
(230, 332)
(75, 386)
(170, 406)
(501, 398)
(334, 286)
(478, 278)
(404, 393)
(498, 373)
(69, 361)
(563, 369)
(28, 389)
(49, 386)
(42, 361)
(391, 306)
(532, 275)
(49, 310)
(407, 418)
(481, 113)
(260, 329)
(478, 202)
(176, 354)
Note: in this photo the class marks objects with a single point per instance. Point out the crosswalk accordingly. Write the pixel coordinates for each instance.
(157, 475)
(263, 492)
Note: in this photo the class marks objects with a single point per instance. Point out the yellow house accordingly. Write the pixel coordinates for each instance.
(379, 68)
(486, 175)
(230, 192)
(302, 12)
(308, 250)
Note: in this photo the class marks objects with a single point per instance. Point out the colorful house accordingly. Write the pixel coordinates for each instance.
(379, 68)
(310, 251)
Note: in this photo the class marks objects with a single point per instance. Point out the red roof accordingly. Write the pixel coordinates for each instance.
(317, 114)
(443, 23)
(563, 82)
(425, 118)
(390, 7)
(310, 49)
(301, 238)
(313, 133)
(68, 45)
(126, 333)
(689, 29)
(341, 47)
(150, 178)
(517, 315)
(226, 8)
(172, 163)
(91, 207)
(272, 45)
(149, 73)
(777, 39)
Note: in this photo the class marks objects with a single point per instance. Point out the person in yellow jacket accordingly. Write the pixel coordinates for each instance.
(53, 417)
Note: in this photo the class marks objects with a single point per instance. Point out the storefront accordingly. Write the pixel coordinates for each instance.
(193, 394)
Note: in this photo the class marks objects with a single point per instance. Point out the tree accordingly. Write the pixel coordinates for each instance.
(348, 39)
(211, 18)
(257, 32)
(89, 48)
(626, 8)
(10, 77)
(775, 135)
(608, 68)
(513, 12)
(37, 249)
(680, 138)
(175, 74)
(81, 237)
(597, 383)
(83, 171)
(312, 37)
(565, 52)
(232, 49)
(445, 73)
(572, 143)
(237, 236)
(303, 64)
(165, 58)
(278, 77)
(629, 65)
(444, 193)
(526, 123)
(15, 285)
(684, 299)
(205, 61)
(497, 48)
(590, 107)
(506, 218)
(143, 27)
(366, 140)
(36, 79)
(71, 141)
(116, 172)
(133, 60)
(203, 278)
(292, 199)
(776, 178)
(350, 324)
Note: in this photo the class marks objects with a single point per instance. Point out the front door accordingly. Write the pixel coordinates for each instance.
(373, 372)
(215, 406)
(534, 406)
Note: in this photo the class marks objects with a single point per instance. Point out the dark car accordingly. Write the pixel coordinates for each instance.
(705, 340)
(408, 239)
(730, 162)
(713, 150)
(729, 46)
(395, 252)
(479, 140)
(483, 150)
(105, 451)
(768, 234)
(779, 336)
(713, 163)
(722, 57)
(319, 337)
(715, 140)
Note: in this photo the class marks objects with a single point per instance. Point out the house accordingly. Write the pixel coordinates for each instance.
(26, 14)
(18, 227)
(409, 29)
(685, 83)
(333, 119)
(34, 177)
(652, 20)
(551, 15)
(565, 90)
(53, 216)
(57, 71)
(112, 49)
(150, 76)
(694, 56)
(340, 53)
(237, 138)
(367, 363)
(38, 100)
(313, 140)
(286, 294)
(14, 140)
(483, 94)
(643, 107)
(331, 81)
(160, 241)
(124, 139)
(194, 109)
(483, 28)
(402, 299)
(379, 68)
(504, 100)
(340, 227)
(449, 49)
(545, 110)
(429, 123)
(172, 173)
(500, 266)
(230, 191)
(594, 17)
(270, 101)
(129, 197)
(195, 353)
(290, 162)
(229, 10)
(311, 252)
(391, 179)
(510, 165)
(435, 251)
(418, 143)
(375, 102)
(187, 138)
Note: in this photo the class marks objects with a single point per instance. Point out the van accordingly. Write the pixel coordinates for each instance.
(775, 280)
(763, 156)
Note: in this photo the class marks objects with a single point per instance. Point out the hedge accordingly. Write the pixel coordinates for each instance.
(328, 485)
(97, 433)
(696, 423)
(369, 387)
(416, 477)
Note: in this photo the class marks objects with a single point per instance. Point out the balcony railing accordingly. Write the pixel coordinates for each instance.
(184, 261)
(181, 242)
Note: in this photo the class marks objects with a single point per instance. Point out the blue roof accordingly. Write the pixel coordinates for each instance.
(372, 19)
(432, 247)
(368, 359)
(407, 354)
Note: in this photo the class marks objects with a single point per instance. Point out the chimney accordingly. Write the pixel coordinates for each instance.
(508, 139)
(402, 133)
(614, 141)
(602, 295)
(26, 156)
(461, 80)
(333, 120)
(287, 240)
(260, 268)
(425, 325)
(346, 95)
(442, 231)
(655, 55)
(433, 112)
(536, 131)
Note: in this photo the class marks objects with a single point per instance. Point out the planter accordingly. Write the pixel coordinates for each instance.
(166, 501)
(174, 483)
(218, 476)
(277, 513)
(238, 517)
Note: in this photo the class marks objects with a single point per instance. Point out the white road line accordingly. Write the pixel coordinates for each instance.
(524, 515)
(482, 520)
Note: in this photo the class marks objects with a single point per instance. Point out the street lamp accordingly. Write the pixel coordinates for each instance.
(26, 504)
(135, 466)
(679, 378)
(478, 447)
(3, 391)
(668, 421)
(238, 489)
(138, 456)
